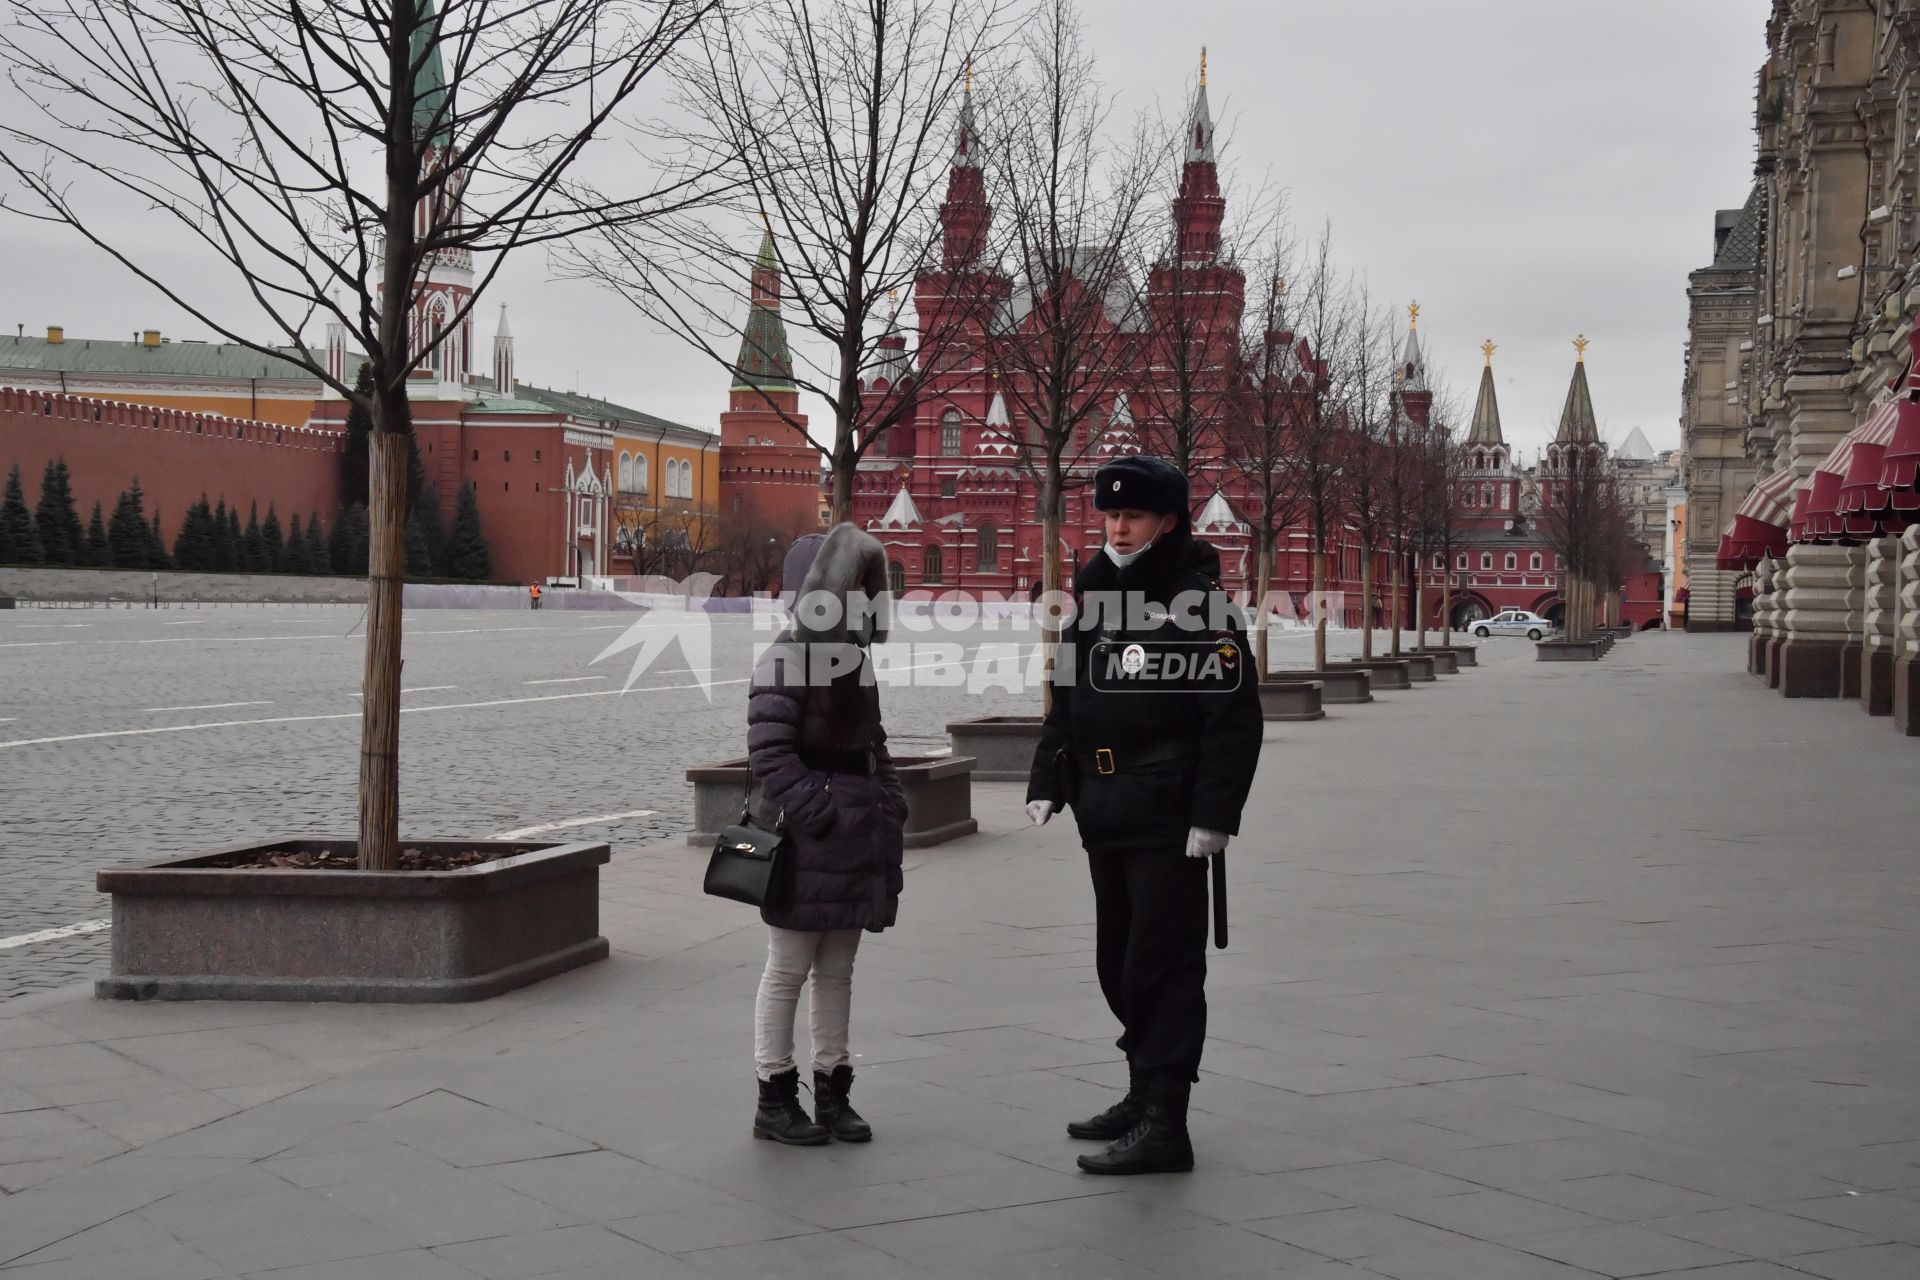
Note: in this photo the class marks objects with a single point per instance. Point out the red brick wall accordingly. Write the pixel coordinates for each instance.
(177, 455)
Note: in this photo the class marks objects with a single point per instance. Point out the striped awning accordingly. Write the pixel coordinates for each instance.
(1759, 526)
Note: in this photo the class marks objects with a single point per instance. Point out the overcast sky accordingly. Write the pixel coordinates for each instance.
(1527, 170)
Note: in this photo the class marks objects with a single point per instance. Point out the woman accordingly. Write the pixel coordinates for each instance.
(815, 745)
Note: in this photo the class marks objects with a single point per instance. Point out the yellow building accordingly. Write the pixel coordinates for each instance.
(151, 369)
(666, 493)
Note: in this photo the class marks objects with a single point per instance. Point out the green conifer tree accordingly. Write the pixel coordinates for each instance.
(193, 549)
(359, 541)
(293, 556)
(19, 538)
(467, 554)
(97, 554)
(234, 537)
(426, 508)
(319, 556)
(157, 557)
(225, 552)
(354, 465)
(129, 536)
(273, 543)
(253, 547)
(62, 537)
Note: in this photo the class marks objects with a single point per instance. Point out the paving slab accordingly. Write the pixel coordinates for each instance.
(1628, 1006)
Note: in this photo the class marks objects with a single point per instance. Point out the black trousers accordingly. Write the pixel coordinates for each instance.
(1151, 954)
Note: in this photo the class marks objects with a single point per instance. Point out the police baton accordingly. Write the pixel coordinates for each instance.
(1219, 861)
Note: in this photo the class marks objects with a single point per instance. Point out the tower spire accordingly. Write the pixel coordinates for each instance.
(965, 214)
(764, 363)
(1577, 423)
(1413, 363)
(1199, 209)
(1486, 407)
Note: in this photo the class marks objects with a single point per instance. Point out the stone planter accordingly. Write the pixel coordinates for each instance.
(189, 930)
(1291, 700)
(1387, 673)
(1445, 661)
(1466, 655)
(1567, 650)
(1002, 746)
(1343, 684)
(939, 798)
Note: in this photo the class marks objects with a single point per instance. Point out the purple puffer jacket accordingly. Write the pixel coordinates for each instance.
(843, 828)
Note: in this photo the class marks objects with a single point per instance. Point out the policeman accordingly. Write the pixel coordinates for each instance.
(1152, 738)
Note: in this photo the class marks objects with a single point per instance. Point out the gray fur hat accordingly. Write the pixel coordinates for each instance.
(843, 562)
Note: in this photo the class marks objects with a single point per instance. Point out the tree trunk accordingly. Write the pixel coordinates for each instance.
(1446, 605)
(840, 509)
(1420, 598)
(380, 682)
(1366, 600)
(1319, 589)
(1396, 588)
(1263, 576)
(1050, 568)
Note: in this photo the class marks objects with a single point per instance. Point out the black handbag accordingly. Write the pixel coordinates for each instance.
(747, 862)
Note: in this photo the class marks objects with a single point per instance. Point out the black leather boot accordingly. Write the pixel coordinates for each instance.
(1157, 1144)
(781, 1118)
(1116, 1121)
(833, 1110)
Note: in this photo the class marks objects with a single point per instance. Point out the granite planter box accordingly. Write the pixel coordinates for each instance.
(1445, 661)
(1387, 673)
(939, 798)
(1291, 700)
(1567, 650)
(1465, 655)
(189, 929)
(1002, 747)
(1342, 684)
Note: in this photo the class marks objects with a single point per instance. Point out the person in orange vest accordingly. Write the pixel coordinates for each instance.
(533, 590)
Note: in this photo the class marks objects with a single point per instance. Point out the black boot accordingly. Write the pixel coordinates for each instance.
(833, 1110)
(1116, 1121)
(1157, 1144)
(781, 1118)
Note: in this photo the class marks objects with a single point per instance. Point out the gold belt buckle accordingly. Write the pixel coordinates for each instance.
(1103, 760)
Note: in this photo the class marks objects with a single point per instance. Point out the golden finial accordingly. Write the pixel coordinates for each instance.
(1413, 316)
(1580, 349)
(1487, 349)
(1279, 285)
(969, 77)
(1203, 66)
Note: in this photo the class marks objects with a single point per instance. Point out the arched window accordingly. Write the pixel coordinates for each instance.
(640, 473)
(989, 548)
(1439, 561)
(1486, 495)
(1513, 561)
(933, 567)
(1486, 560)
(950, 433)
(626, 473)
(896, 576)
(1533, 562)
(1461, 561)
(686, 478)
(1467, 498)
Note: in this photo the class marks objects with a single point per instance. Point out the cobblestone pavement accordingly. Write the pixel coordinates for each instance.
(551, 738)
(1539, 972)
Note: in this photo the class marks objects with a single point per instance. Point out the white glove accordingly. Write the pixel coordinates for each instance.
(1039, 811)
(1202, 842)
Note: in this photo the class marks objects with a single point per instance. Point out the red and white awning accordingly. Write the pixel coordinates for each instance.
(1759, 526)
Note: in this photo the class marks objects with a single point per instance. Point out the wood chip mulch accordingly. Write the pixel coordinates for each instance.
(308, 860)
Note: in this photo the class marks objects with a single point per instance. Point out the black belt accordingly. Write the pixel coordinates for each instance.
(862, 762)
(1119, 759)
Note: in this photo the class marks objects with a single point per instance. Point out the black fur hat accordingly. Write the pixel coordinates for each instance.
(1141, 484)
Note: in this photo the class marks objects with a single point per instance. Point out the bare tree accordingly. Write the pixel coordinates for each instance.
(1325, 323)
(338, 159)
(1367, 456)
(831, 120)
(1062, 338)
(1258, 435)
(1581, 518)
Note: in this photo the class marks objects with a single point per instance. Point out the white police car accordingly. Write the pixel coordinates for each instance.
(1513, 622)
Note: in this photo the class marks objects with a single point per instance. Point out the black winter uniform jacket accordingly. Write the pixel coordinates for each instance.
(1151, 805)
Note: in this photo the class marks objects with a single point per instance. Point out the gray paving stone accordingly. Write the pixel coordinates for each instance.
(1695, 1010)
(1760, 1233)
(545, 1253)
(1347, 1234)
(1622, 1249)
(1870, 1262)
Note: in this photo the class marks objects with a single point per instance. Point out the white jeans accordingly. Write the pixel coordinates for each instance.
(791, 955)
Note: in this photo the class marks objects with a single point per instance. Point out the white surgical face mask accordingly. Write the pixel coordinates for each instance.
(1125, 558)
